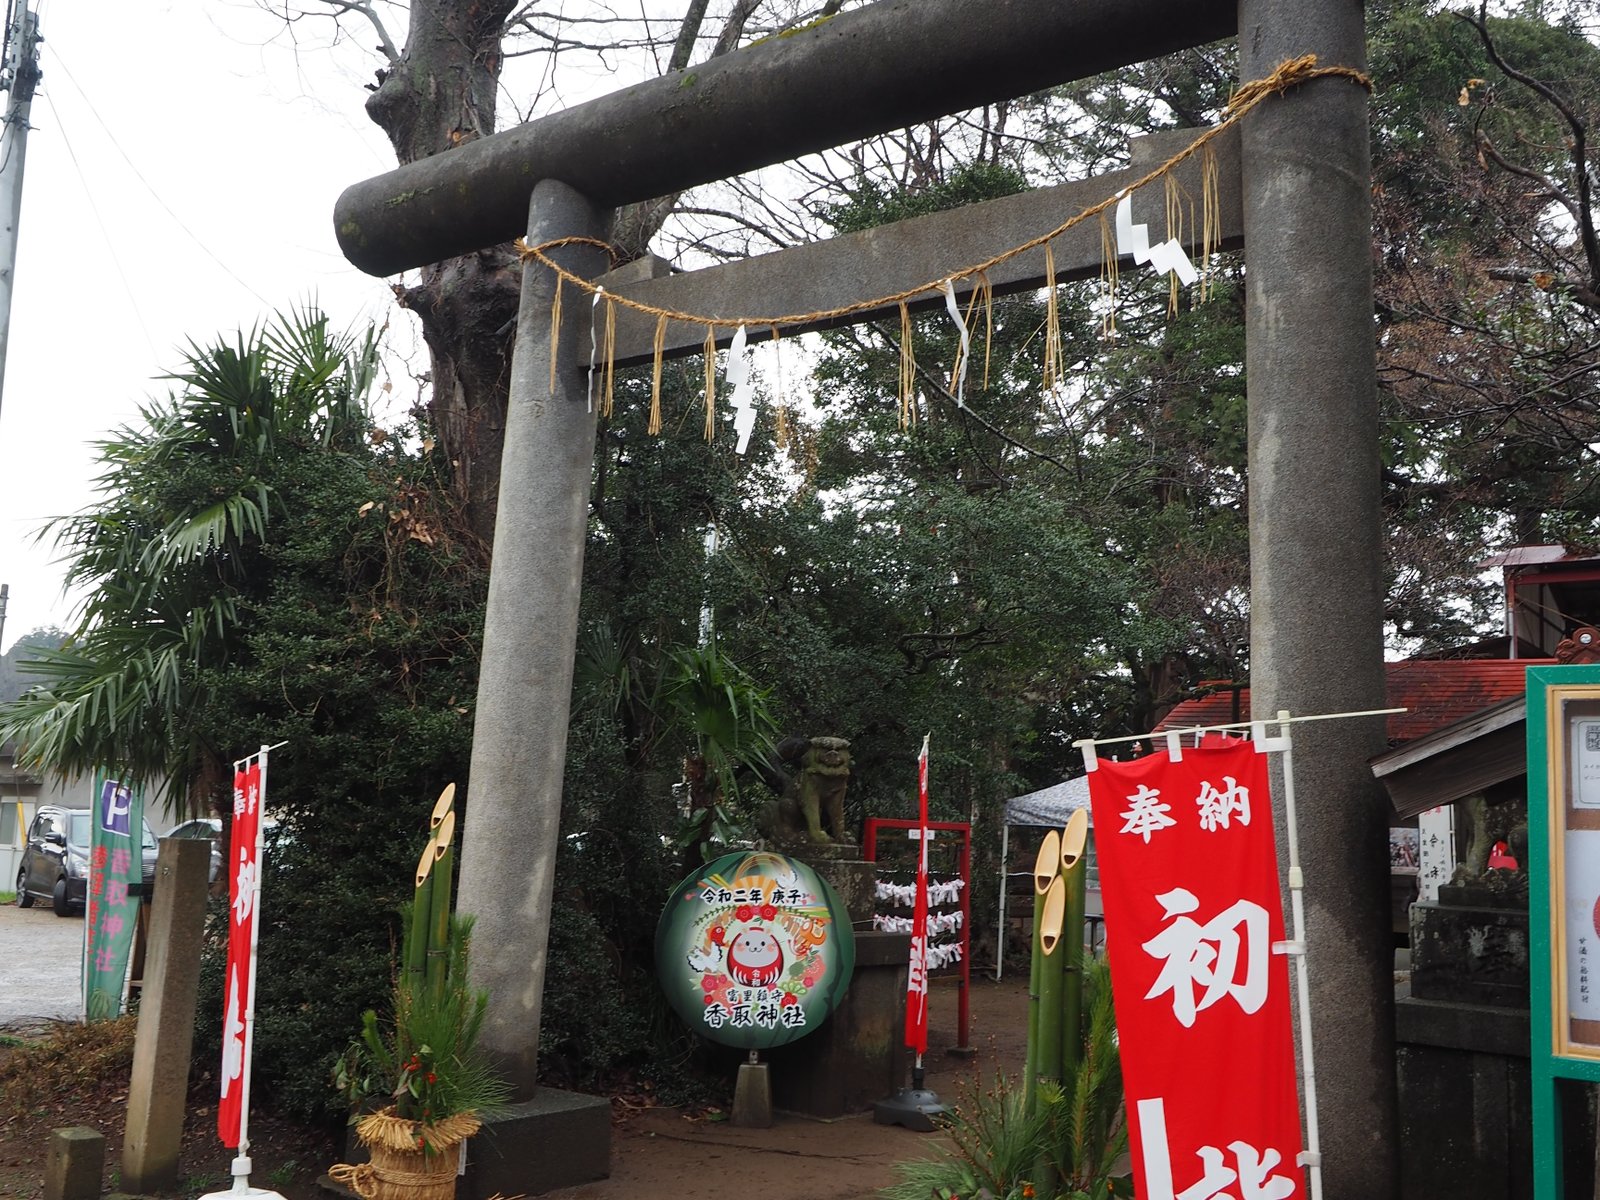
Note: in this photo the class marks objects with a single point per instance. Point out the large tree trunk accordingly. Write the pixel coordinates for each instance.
(440, 94)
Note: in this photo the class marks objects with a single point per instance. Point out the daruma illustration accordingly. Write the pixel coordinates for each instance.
(755, 950)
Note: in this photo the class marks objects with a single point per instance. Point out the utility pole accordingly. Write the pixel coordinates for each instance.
(19, 76)
(5, 595)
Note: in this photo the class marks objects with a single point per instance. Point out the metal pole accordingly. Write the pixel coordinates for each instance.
(21, 77)
(1000, 932)
(1302, 971)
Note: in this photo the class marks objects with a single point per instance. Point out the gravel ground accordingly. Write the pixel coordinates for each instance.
(39, 964)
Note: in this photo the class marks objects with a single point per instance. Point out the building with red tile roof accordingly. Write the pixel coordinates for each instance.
(1434, 692)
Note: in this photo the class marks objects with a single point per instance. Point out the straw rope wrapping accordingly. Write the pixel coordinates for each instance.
(390, 1136)
(1290, 73)
(357, 1177)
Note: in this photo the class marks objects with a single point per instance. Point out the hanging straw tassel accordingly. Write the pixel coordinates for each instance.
(1210, 214)
(987, 291)
(655, 379)
(778, 403)
(555, 333)
(908, 368)
(1052, 323)
(611, 355)
(1176, 198)
(1109, 269)
(710, 354)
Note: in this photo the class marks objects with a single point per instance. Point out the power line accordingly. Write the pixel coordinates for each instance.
(111, 244)
(149, 188)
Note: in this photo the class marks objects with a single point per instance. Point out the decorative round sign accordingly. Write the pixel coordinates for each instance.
(755, 950)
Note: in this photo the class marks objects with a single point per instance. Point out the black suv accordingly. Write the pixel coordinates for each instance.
(55, 862)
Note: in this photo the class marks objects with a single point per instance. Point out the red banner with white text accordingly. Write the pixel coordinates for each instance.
(1189, 879)
(917, 975)
(244, 873)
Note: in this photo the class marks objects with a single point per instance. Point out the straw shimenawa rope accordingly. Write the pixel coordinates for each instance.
(1290, 73)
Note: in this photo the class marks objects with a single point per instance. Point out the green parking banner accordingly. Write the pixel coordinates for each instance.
(111, 906)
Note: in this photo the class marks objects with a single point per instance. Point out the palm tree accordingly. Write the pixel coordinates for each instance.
(710, 701)
(174, 546)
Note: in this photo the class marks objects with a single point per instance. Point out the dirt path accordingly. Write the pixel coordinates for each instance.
(662, 1153)
(658, 1153)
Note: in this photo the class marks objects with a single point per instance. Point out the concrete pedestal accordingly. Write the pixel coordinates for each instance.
(1461, 1035)
(853, 877)
(752, 1097)
(859, 1056)
(1474, 954)
(555, 1140)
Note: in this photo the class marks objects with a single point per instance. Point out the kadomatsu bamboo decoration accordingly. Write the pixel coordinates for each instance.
(426, 1062)
(1055, 991)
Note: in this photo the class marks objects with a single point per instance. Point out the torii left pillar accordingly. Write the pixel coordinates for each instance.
(520, 729)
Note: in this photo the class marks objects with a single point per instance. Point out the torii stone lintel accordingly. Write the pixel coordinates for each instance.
(880, 67)
(856, 267)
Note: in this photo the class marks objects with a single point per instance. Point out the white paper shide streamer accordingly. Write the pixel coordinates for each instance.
(744, 389)
(1167, 256)
(954, 309)
(946, 891)
(594, 316)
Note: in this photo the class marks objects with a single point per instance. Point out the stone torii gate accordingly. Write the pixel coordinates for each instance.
(1296, 192)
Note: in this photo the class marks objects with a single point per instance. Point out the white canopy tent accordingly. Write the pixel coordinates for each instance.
(1047, 808)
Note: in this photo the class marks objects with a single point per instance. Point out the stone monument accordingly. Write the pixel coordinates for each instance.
(857, 1057)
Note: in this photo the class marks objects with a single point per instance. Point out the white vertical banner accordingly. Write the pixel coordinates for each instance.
(1437, 851)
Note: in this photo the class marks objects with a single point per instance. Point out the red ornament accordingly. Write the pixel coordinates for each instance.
(744, 912)
(768, 911)
(718, 932)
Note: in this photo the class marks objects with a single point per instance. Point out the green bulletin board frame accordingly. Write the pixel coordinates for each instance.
(1555, 1054)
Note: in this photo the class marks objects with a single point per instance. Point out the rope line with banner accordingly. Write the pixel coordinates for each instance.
(1193, 920)
(1127, 238)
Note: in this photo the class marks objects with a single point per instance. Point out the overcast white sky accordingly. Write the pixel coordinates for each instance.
(180, 105)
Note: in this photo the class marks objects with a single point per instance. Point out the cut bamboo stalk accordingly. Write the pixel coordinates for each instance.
(1030, 1070)
(1074, 873)
(1050, 980)
(1045, 868)
(1048, 865)
(1074, 839)
(438, 917)
(414, 950)
(1074, 884)
(442, 805)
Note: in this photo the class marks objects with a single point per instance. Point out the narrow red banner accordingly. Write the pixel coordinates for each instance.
(917, 975)
(244, 870)
(1189, 878)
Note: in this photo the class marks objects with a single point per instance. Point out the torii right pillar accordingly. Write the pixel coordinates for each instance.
(1316, 641)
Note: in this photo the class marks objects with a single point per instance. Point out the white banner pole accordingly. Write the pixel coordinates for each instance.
(1000, 938)
(1312, 1155)
(241, 1163)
